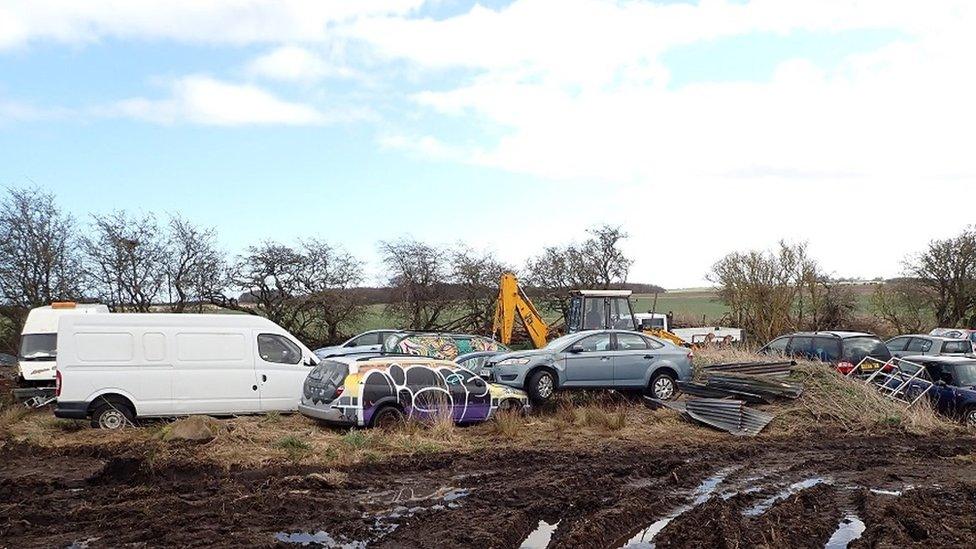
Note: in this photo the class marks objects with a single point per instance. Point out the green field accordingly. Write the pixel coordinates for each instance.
(688, 305)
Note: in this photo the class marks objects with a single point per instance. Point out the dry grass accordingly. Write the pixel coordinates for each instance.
(835, 401)
(831, 404)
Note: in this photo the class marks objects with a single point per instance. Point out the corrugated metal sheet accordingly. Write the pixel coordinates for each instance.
(731, 416)
(705, 390)
(762, 386)
(773, 368)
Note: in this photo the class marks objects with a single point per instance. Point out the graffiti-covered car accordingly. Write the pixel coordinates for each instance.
(382, 391)
(445, 346)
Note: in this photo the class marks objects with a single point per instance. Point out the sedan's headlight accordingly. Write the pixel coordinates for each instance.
(508, 361)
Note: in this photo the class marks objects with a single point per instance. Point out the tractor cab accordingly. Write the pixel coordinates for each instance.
(600, 310)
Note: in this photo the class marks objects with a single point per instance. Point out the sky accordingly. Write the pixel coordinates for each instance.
(700, 128)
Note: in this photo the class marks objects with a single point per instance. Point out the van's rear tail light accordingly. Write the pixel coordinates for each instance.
(57, 384)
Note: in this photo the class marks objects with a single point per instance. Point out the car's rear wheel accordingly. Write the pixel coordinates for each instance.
(541, 386)
(510, 406)
(663, 386)
(388, 418)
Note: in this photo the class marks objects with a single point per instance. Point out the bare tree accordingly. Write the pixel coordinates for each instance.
(474, 276)
(38, 259)
(772, 293)
(195, 268)
(904, 304)
(328, 278)
(596, 263)
(601, 254)
(947, 269)
(418, 277)
(126, 260)
(39, 262)
(306, 290)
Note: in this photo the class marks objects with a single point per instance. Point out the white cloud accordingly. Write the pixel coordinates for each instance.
(297, 64)
(585, 95)
(199, 21)
(204, 100)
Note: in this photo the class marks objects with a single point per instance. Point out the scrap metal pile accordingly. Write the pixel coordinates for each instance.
(752, 389)
(723, 396)
(731, 416)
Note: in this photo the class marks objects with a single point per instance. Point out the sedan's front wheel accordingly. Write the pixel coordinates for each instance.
(541, 387)
(663, 386)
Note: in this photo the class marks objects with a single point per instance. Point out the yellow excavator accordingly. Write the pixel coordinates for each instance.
(588, 310)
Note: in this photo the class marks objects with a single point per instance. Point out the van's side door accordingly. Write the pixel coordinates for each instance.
(213, 372)
(280, 370)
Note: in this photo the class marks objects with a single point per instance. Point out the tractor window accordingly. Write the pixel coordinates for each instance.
(594, 315)
(620, 315)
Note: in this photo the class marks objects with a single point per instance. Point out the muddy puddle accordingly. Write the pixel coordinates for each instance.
(850, 528)
(644, 539)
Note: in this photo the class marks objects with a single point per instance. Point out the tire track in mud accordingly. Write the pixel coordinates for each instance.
(597, 497)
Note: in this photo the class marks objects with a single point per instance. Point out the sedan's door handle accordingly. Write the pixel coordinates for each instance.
(648, 357)
(604, 358)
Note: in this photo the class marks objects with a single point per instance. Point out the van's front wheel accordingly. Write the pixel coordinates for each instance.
(111, 415)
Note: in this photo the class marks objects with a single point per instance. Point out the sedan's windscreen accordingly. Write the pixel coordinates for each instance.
(561, 342)
(38, 346)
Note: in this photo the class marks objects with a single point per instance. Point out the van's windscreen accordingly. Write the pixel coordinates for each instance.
(38, 346)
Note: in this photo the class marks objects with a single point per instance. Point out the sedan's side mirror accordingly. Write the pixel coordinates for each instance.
(576, 349)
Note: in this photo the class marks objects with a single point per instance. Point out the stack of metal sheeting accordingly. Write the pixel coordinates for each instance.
(763, 387)
(777, 369)
(730, 416)
(706, 390)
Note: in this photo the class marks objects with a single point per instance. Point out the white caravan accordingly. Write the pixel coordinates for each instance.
(115, 368)
(39, 341)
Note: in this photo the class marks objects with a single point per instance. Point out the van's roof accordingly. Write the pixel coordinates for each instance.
(164, 320)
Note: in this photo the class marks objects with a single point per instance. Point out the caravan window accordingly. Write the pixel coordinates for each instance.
(276, 348)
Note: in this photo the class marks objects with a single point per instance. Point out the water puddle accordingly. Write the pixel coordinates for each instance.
(385, 509)
(644, 538)
(540, 538)
(790, 490)
(850, 528)
(317, 539)
(886, 492)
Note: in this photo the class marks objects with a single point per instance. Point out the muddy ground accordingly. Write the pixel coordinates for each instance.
(768, 491)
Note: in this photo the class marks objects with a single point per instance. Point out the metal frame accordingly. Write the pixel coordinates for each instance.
(895, 383)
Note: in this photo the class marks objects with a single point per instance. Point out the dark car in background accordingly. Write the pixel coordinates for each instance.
(954, 392)
(841, 349)
(922, 344)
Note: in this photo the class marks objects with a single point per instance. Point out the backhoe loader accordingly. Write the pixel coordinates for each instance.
(588, 310)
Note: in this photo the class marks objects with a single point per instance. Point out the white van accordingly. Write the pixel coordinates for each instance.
(115, 368)
(39, 341)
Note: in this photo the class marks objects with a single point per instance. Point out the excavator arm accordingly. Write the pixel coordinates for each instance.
(512, 301)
